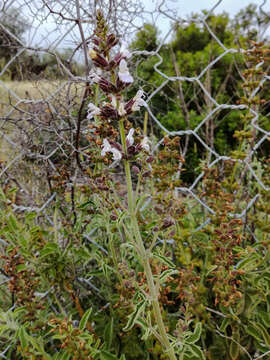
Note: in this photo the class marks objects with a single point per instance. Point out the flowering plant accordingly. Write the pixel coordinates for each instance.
(112, 77)
(118, 264)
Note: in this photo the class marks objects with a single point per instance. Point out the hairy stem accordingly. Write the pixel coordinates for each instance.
(144, 254)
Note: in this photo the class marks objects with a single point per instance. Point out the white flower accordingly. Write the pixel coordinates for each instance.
(124, 50)
(145, 144)
(121, 110)
(106, 147)
(138, 101)
(130, 137)
(95, 75)
(123, 73)
(113, 101)
(92, 110)
(116, 154)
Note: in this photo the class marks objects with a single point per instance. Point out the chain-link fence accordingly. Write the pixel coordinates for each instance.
(40, 128)
(46, 82)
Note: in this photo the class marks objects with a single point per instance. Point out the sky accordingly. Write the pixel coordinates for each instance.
(186, 7)
(47, 32)
(231, 6)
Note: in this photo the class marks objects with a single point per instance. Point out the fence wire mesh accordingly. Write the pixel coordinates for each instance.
(38, 123)
(42, 121)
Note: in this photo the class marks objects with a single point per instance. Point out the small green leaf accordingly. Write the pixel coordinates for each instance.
(251, 330)
(12, 223)
(263, 331)
(265, 317)
(165, 274)
(106, 355)
(108, 334)
(84, 205)
(134, 316)
(2, 195)
(248, 263)
(211, 268)
(145, 328)
(196, 351)
(30, 216)
(22, 240)
(224, 324)
(192, 339)
(23, 337)
(234, 350)
(21, 267)
(65, 356)
(58, 336)
(49, 249)
(165, 260)
(234, 345)
(84, 319)
(19, 310)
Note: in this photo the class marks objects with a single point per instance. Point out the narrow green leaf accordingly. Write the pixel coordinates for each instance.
(84, 205)
(108, 334)
(23, 337)
(12, 223)
(21, 267)
(224, 324)
(19, 310)
(147, 331)
(2, 195)
(234, 345)
(84, 319)
(251, 330)
(234, 350)
(37, 343)
(165, 260)
(248, 263)
(65, 356)
(196, 351)
(263, 331)
(22, 240)
(165, 274)
(265, 317)
(30, 216)
(106, 355)
(49, 249)
(134, 316)
(192, 339)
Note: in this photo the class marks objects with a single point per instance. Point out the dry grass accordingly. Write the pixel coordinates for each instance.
(35, 90)
(16, 98)
(11, 92)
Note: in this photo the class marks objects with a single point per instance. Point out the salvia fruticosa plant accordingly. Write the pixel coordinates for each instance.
(130, 272)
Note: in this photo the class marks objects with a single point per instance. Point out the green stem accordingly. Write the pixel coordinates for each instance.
(144, 254)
